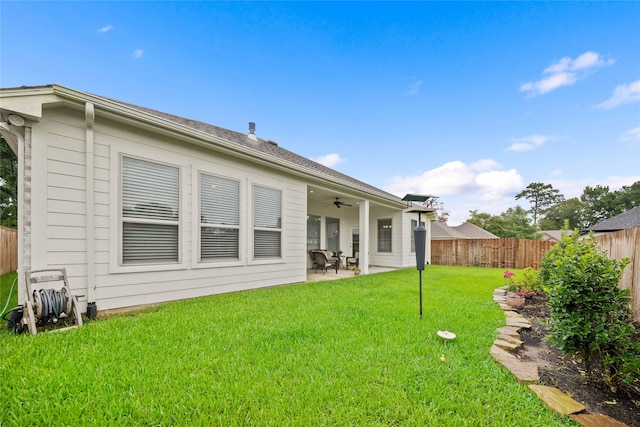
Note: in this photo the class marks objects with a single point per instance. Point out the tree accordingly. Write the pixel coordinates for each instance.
(516, 223)
(628, 196)
(479, 218)
(8, 186)
(600, 204)
(442, 215)
(512, 223)
(571, 210)
(540, 196)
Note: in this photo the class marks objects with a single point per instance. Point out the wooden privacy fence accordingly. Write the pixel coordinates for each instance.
(8, 250)
(626, 244)
(500, 253)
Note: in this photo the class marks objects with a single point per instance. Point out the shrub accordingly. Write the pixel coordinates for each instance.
(528, 285)
(590, 314)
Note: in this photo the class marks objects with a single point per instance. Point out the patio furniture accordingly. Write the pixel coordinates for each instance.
(354, 260)
(323, 259)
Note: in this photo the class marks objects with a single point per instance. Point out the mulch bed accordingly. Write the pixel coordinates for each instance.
(568, 374)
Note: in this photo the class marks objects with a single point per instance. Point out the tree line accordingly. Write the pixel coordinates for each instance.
(550, 210)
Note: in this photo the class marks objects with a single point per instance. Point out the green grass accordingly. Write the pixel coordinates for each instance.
(345, 352)
(6, 282)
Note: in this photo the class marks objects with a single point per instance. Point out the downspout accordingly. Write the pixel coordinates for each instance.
(90, 116)
(12, 134)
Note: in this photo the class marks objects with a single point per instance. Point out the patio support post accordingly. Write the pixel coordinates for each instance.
(364, 237)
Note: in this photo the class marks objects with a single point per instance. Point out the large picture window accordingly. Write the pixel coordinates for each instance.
(150, 212)
(219, 218)
(313, 232)
(333, 234)
(384, 235)
(267, 222)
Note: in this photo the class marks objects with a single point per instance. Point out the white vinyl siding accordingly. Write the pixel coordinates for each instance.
(150, 212)
(219, 218)
(267, 222)
(384, 235)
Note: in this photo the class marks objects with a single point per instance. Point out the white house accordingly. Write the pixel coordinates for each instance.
(143, 207)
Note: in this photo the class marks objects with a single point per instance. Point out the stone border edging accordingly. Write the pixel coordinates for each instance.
(527, 373)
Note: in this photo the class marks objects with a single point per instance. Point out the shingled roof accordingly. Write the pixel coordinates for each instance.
(264, 146)
(243, 144)
(466, 230)
(623, 221)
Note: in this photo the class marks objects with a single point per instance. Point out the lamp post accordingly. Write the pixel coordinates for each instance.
(420, 236)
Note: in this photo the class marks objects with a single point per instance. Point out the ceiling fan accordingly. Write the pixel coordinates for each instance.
(339, 204)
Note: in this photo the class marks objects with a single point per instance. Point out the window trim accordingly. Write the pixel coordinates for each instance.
(378, 237)
(116, 218)
(198, 262)
(252, 260)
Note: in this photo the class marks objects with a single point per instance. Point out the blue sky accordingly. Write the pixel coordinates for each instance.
(470, 102)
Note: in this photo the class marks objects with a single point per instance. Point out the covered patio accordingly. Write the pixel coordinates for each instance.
(343, 273)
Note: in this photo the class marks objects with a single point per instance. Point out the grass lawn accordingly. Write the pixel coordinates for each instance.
(346, 352)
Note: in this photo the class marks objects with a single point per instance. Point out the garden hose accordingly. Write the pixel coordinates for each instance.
(13, 322)
(4, 310)
(50, 304)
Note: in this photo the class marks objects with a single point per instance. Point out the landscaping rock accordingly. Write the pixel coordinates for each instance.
(597, 420)
(509, 330)
(525, 373)
(510, 339)
(506, 345)
(556, 400)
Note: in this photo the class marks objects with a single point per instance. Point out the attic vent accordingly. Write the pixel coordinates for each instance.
(252, 131)
(272, 142)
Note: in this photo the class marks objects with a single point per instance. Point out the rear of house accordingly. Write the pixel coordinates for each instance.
(143, 207)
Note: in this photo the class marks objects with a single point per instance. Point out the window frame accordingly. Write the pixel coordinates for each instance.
(199, 224)
(116, 221)
(254, 228)
(379, 228)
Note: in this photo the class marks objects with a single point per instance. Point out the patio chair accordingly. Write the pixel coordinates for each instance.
(322, 260)
(354, 260)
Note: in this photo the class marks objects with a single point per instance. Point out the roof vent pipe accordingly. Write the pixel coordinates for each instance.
(252, 131)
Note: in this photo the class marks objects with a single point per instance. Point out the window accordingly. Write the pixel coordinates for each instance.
(150, 212)
(313, 232)
(333, 234)
(384, 235)
(414, 224)
(219, 218)
(267, 222)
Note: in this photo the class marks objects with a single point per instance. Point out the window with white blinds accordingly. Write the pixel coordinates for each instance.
(384, 235)
(267, 222)
(150, 212)
(219, 218)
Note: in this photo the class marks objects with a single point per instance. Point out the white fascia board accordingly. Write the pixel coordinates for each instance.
(27, 102)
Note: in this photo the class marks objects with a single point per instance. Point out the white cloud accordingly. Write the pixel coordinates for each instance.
(622, 94)
(529, 143)
(463, 187)
(330, 160)
(631, 135)
(137, 54)
(414, 88)
(565, 72)
(106, 28)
